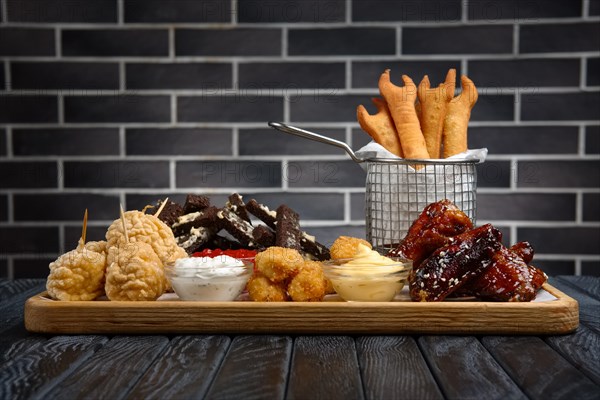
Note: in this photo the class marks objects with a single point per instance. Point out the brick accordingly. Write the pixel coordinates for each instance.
(546, 38)
(564, 107)
(590, 268)
(269, 142)
(235, 174)
(241, 107)
(26, 42)
(526, 206)
(115, 42)
(341, 41)
(555, 267)
(23, 240)
(226, 42)
(64, 75)
(64, 207)
(591, 207)
(3, 207)
(3, 268)
(562, 240)
(179, 141)
(325, 174)
(24, 109)
(28, 268)
(525, 139)
(593, 72)
(292, 76)
(178, 76)
(177, 11)
(360, 138)
(61, 11)
(322, 106)
(3, 146)
(26, 175)
(493, 174)
(530, 73)
(136, 201)
(115, 174)
(357, 206)
(65, 141)
(594, 8)
(522, 10)
(291, 11)
(94, 233)
(492, 106)
(407, 10)
(328, 234)
(558, 173)
(365, 74)
(488, 39)
(118, 108)
(310, 206)
(592, 139)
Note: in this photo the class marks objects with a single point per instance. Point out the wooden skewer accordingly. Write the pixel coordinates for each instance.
(84, 228)
(124, 226)
(163, 204)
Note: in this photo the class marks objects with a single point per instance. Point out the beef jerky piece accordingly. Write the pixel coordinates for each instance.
(264, 236)
(263, 213)
(194, 203)
(237, 227)
(206, 218)
(287, 233)
(236, 204)
(315, 249)
(454, 265)
(196, 239)
(170, 212)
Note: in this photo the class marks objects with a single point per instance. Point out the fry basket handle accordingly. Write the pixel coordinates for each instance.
(316, 137)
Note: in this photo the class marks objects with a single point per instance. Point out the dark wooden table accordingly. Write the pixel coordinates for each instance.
(300, 367)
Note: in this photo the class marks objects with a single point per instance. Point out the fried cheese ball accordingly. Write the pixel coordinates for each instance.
(134, 273)
(309, 284)
(260, 288)
(278, 263)
(148, 229)
(78, 274)
(346, 247)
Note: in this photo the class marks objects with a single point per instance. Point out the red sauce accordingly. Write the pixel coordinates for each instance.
(240, 253)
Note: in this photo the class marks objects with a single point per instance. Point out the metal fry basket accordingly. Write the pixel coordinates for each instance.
(396, 193)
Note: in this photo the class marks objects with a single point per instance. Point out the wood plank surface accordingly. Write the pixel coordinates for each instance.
(191, 362)
(465, 370)
(113, 370)
(255, 367)
(16, 342)
(393, 367)
(581, 349)
(324, 367)
(587, 284)
(589, 308)
(11, 309)
(539, 370)
(44, 367)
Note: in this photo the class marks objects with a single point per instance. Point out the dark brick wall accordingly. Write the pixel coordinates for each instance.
(124, 101)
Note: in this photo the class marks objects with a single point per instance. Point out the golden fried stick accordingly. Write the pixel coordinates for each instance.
(380, 126)
(434, 104)
(401, 102)
(457, 119)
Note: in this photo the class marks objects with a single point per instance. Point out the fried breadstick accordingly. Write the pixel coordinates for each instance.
(434, 104)
(380, 126)
(457, 118)
(401, 102)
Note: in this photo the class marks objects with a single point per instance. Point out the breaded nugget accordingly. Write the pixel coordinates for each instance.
(309, 284)
(457, 119)
(380, 126)
(346, 247)
(279, 263)
(260, 288)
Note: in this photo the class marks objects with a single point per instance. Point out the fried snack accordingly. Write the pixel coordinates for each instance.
(346, 247)
(309, 284)
(433, 105)
(457, 119)
(278, 263)
(380, 126)
(78, 274)
(134, 273)
(260, 288)
(401, 102)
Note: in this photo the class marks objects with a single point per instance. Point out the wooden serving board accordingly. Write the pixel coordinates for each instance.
(557, 316)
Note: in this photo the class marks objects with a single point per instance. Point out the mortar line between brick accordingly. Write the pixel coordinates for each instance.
(60, 105)
(9, 142)
(172, 174)
(464, 11)
(10, 268)
(348, 11)
(579, 207)
(284, 175)
(235, 75)
(10, 205)
(120, 12)
(583, 72)
(577, 271)
(7, 75)
(517, 107)
(122, 142)
(60, 174)
(347, 213)
(123, 199)
(585, 9)
(61, 238)
(398, 40)
(235, 141)
(173, 103)
(234, 7)
(171, 44)
(348, 68)
(284, 43)
(464, 68)
(513, 234)
(516, 38)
